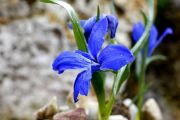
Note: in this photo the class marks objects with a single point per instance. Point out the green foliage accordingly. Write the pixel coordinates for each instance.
(98, 13)
(46, 1)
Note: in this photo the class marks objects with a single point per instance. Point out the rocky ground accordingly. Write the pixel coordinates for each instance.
(33, 33)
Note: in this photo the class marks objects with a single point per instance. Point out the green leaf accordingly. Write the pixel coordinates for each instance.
(151, 8)
(98, 14)
(144, 17)
(154, 58)
(46, 1)
(122, 75)
(78, 33)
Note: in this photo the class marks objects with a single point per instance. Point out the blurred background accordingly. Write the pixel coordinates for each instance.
(32, 34)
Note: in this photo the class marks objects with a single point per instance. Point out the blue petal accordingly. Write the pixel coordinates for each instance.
(112, 24)
(166, 32)
(70, 60)
(138, 30)
(95, 67)
(88, 26)
(97, 36)
(152, 39)
(113, 57)
(82, 84)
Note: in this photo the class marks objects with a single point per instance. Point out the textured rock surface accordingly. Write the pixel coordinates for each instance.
(77, 114)
(27, 48)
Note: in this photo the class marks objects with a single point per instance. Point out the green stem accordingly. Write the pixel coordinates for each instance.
(140, 93)
(98, 85)
(108, 109)
(141, 79)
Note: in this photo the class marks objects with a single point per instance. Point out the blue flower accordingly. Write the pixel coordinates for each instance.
(88, 24)
(154, 41)
(112, 57)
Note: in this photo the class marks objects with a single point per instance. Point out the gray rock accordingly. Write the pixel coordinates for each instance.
(151, 110)
(48, 111)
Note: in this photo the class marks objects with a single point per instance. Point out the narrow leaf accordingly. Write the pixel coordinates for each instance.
(122, 75)
(154, 58)
(144, 17)
(46, 1)
(98, 14)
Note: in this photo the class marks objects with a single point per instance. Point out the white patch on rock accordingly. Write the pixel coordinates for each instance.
(117, 117)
